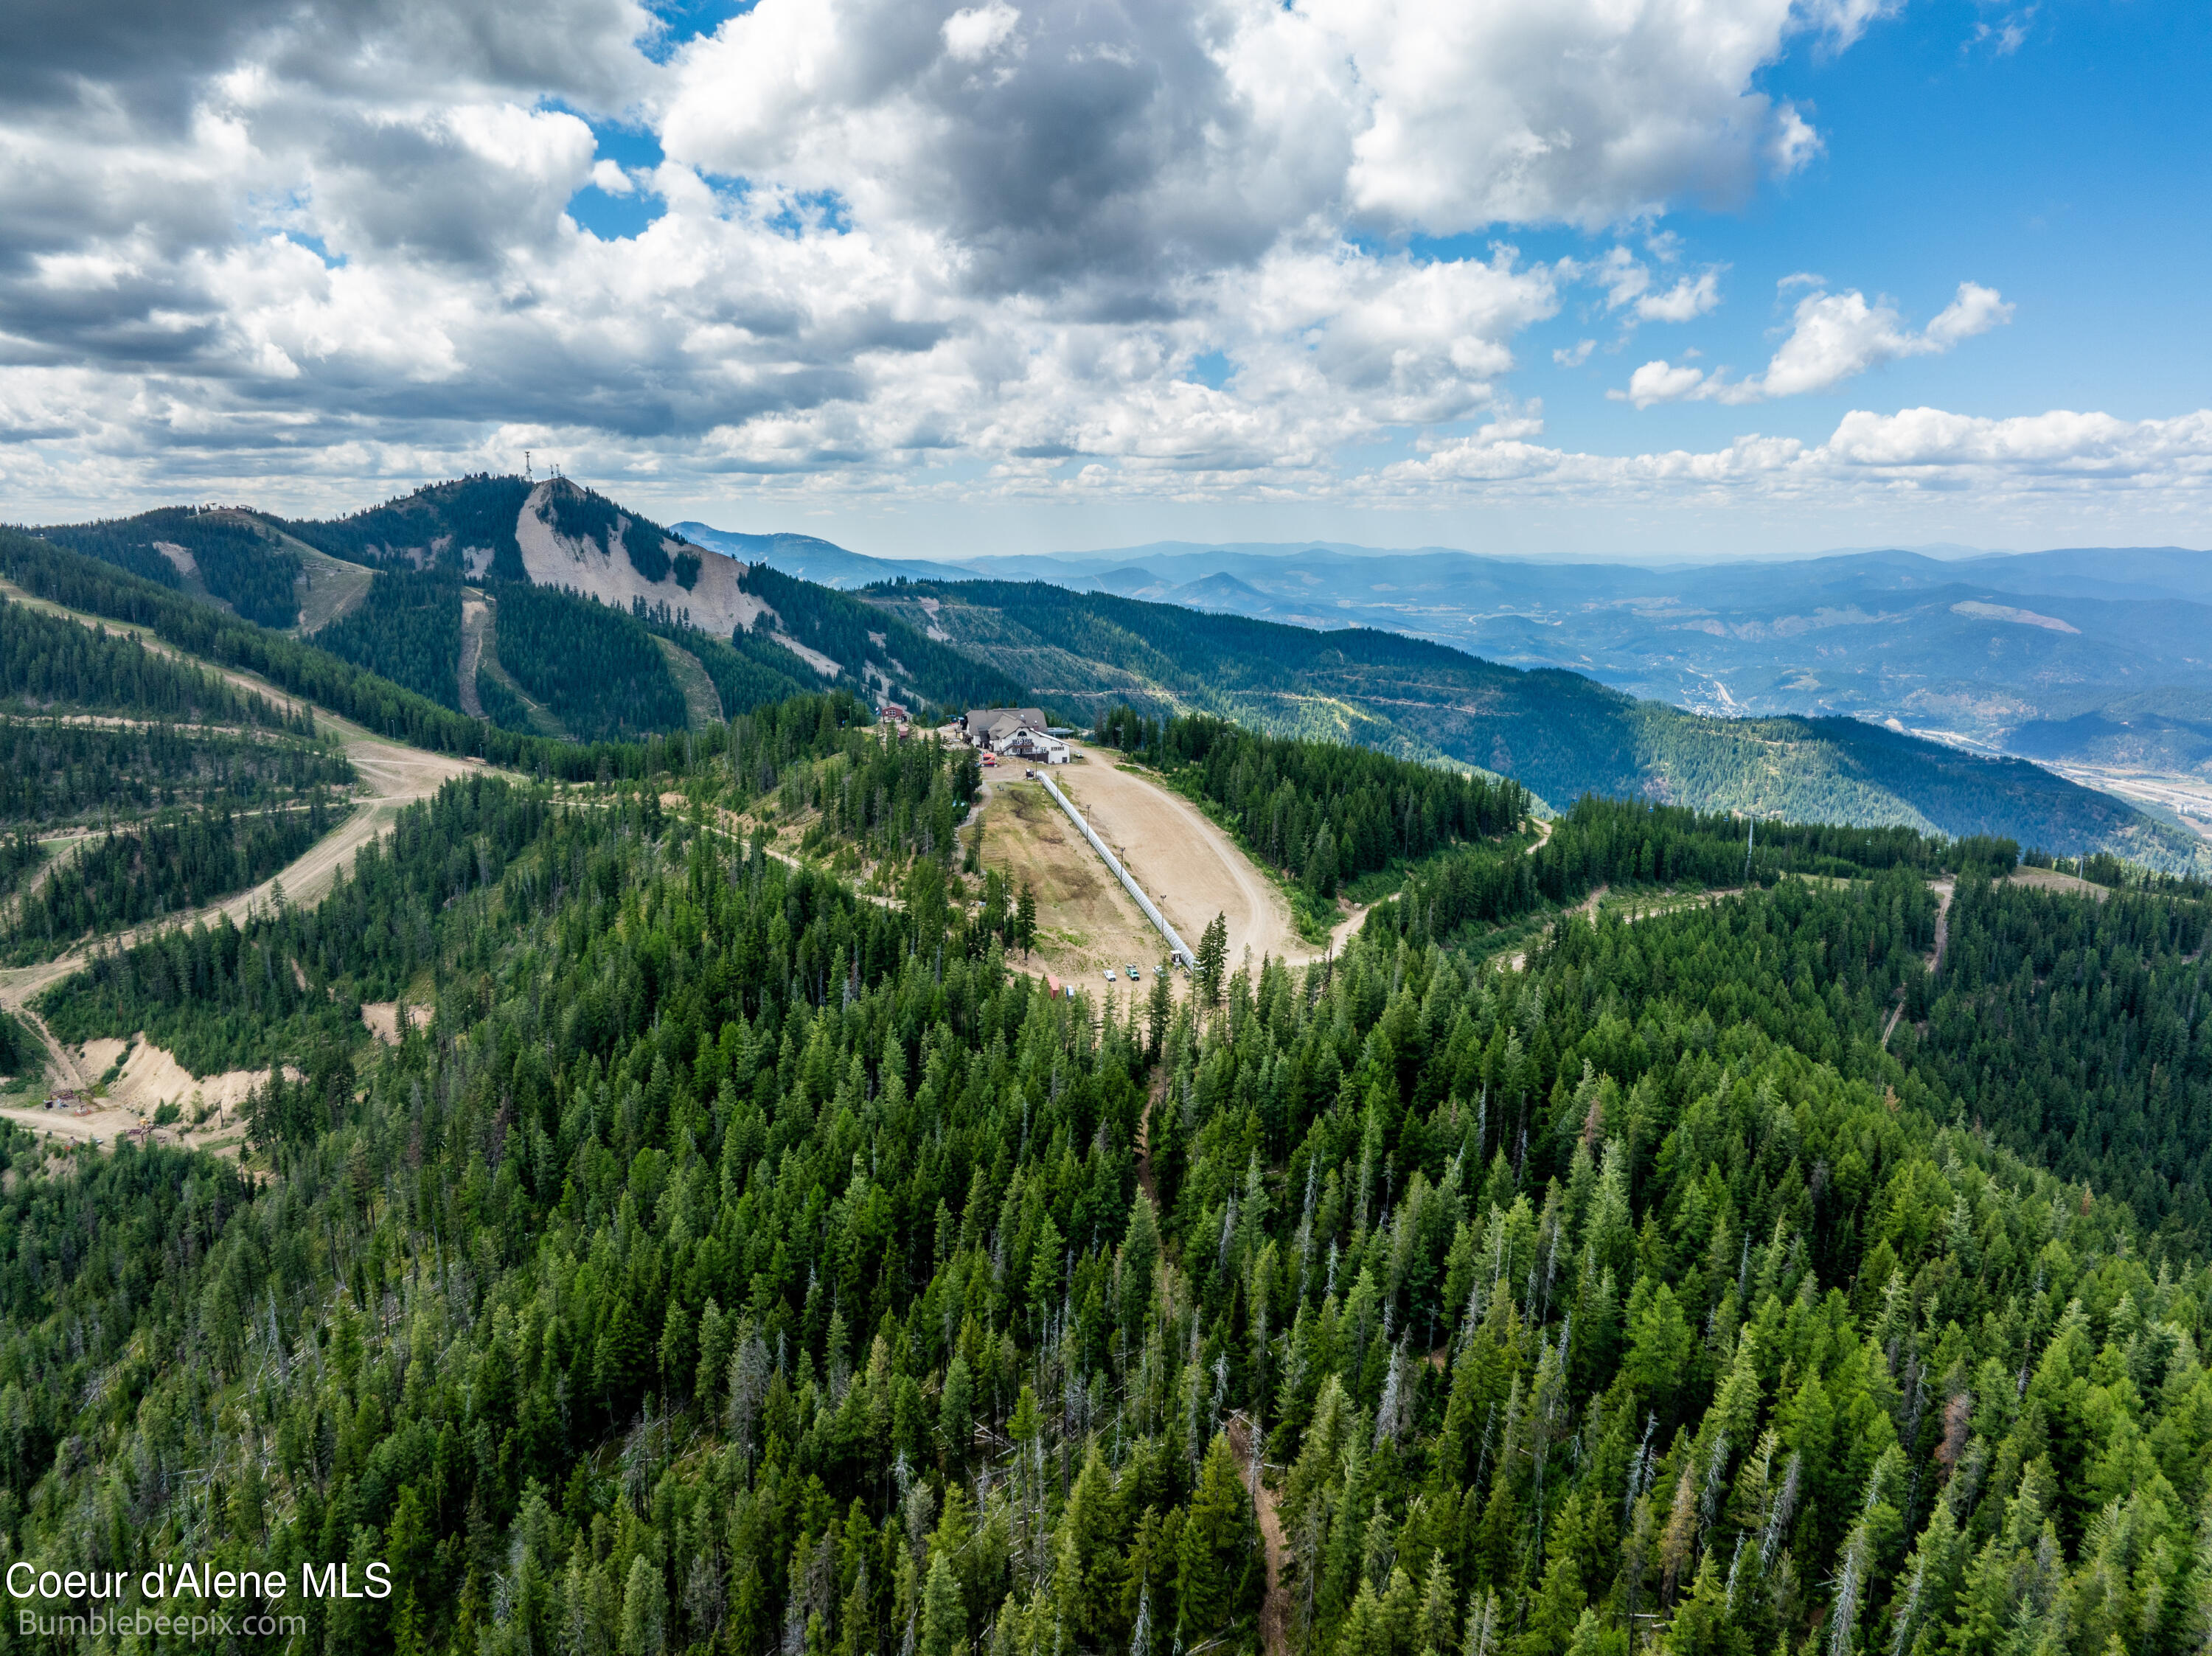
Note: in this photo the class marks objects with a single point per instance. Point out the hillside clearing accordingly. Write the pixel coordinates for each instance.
(2050, 879)
(476, 621)
(1085, 922)
(703, 704)
(1191, 868)
(328, 587)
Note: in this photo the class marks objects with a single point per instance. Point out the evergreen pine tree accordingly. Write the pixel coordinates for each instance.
(943, 1617)
(1218, 1577)
(1213, 958)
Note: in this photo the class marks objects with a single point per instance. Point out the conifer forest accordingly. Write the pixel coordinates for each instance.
(1796, 1244)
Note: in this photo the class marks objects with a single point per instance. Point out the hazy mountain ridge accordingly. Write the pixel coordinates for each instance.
(1363, 649)
(1559, 733)
(823, 562)
(1932, 643)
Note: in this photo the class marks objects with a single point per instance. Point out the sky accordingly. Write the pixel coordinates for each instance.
(1577, 277)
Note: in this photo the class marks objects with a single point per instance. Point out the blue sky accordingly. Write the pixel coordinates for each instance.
(2067, 172)
(1545, 276)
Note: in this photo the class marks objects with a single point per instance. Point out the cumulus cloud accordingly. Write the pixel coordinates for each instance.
(1832, 337)
(1687, 300)
(2038, 457)
(1627, 281)
(1528, 110)
(292, 251)
(975, 33)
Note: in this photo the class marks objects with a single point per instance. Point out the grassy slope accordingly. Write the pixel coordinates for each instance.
(702, 703)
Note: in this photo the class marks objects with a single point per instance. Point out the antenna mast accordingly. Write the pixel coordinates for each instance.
(527, 475)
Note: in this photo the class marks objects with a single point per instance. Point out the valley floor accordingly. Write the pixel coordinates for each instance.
(2184, 795)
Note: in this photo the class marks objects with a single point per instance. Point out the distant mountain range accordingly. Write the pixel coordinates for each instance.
(1568, 677)
(821, 561)
(2092, 656)
(1560, 733)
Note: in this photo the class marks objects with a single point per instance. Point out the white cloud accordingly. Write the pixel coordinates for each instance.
(972, 35)
(1627, 283)
(1976, 310)
(2049, 458)
(1832, 338)
(1794, 143)
(1525, 110)
(1660, 382)
(1623, 276)
(1842, 21)
(1687, 300)
(2007, 35)
(909, 251)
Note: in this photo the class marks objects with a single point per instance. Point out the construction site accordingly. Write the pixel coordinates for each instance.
(1185, 866)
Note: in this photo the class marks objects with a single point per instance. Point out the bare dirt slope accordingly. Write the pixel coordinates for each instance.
(328, 587)
(1086, 921)
(702, 703)
(716, 602)
(150, 1077)
(475, 619)
(1189, 867)
(382, 1018)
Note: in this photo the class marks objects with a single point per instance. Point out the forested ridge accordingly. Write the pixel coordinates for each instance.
(240, 559)
(743, 1264)
(82, 584)
(595, 668)
(305, 669)
(187, 788)
(407, 628)
(1323, 811)
(748, 670)
(1557, 733)
(985, 642)
(56, 771)
(845, 629)
(176, 862)
(46, 659)
(465, 513)
(2067, 1026)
